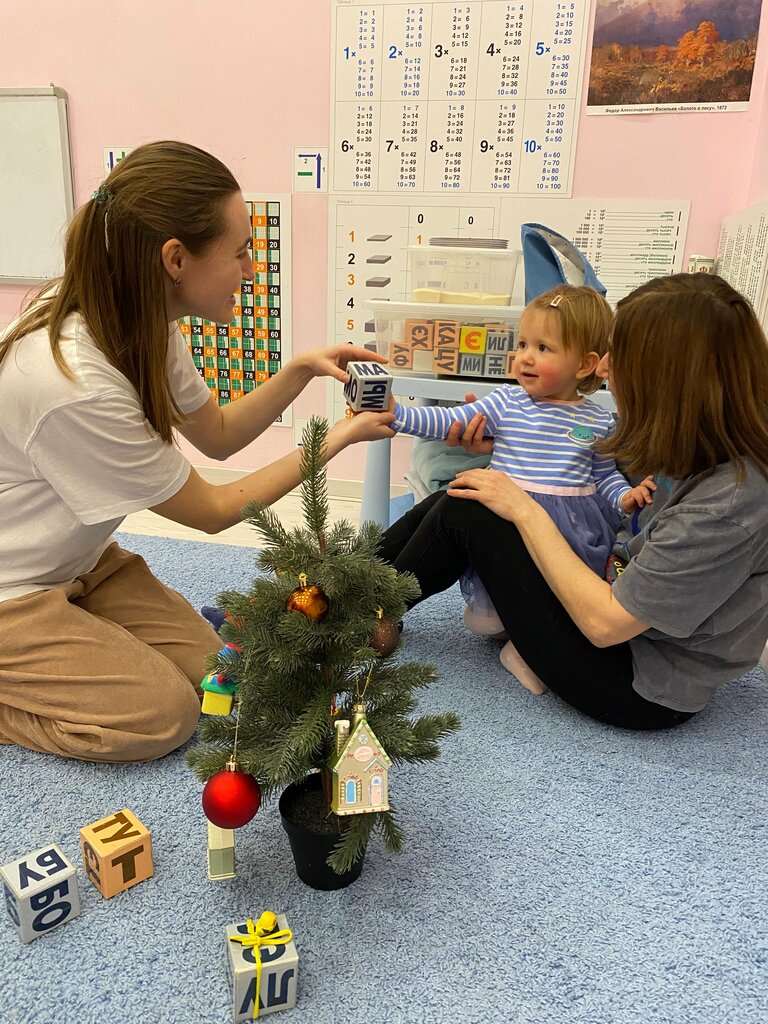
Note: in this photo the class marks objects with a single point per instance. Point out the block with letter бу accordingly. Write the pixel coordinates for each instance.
(117, 852)
(262, 966)
(40, 891)
(369, 387)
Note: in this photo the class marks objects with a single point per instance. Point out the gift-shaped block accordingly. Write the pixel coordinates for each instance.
(117, 852)
(263, 965)
(40, 891)
(368, 388)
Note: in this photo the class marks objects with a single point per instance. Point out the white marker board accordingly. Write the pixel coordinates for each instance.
(36, 195)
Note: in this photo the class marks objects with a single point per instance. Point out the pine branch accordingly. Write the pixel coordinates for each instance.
(354, 839)
(314, 491)
(387, 823)
(265, 522)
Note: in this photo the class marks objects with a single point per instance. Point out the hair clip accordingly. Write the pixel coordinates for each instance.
(102, 194)
(556, 301)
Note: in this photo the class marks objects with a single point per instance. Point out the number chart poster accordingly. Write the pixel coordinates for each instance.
(437, 97)
(235, 358)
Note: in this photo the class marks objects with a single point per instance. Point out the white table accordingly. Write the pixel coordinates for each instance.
(376, 481)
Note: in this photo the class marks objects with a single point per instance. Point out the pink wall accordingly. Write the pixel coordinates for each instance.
(207, 73)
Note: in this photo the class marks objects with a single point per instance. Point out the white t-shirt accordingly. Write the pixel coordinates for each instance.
(77, 456)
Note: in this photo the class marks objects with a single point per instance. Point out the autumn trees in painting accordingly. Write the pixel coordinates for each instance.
(701, 68)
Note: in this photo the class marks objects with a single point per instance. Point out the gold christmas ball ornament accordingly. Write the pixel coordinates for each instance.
(309, 600)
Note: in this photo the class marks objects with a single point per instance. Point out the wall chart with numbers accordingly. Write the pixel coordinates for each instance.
(441, 97)
(237, 357)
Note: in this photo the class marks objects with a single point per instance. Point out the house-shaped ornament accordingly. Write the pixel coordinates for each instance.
(359, 768)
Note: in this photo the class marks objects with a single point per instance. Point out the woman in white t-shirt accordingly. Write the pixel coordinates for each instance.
(98, 659)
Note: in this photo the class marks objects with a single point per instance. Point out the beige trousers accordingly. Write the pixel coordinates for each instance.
(106, 669)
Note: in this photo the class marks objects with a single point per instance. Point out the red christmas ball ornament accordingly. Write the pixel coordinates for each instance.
(231, 798)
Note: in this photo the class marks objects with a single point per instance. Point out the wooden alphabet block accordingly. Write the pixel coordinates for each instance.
(401, 356)
(495, 364)
(422, 360)
(117, 852)
(419, 334)
(446, 333)
(471, 365)
(446, 360)
(40, 891)
(498, 338)
(510, 364)
(369, 387)
(472, 340)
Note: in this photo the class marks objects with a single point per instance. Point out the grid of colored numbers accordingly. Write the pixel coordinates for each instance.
(237, 357)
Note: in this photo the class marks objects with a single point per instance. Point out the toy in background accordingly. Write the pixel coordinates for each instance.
(40, 891)
(262, 966)
(117, 852)
(369, 387)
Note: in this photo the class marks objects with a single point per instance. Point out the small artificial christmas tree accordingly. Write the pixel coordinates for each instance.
(310, 645)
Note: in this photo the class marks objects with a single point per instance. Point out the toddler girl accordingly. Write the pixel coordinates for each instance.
(545, 432)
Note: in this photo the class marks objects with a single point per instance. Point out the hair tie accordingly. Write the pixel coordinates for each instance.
(102, 194)
(556, 301)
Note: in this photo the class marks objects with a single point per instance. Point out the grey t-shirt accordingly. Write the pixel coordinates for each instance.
(698, 575)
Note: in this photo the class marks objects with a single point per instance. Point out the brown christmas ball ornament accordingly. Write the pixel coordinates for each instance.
(309, 600)
(386, 635)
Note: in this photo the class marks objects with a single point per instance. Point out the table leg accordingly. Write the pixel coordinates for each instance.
(375, 503)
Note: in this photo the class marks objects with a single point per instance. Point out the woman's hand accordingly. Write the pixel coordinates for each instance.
(472, 437)
(495, 490)
(364, 426)
(332, 361)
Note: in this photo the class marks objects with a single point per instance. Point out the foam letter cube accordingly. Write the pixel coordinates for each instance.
(368, 388)
(221, 852)
(117, 852)
(40, 891)
(279, 973)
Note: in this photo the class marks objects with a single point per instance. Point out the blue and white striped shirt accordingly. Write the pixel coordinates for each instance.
(546, 447)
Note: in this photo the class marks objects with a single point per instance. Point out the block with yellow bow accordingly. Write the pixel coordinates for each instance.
(262, 966)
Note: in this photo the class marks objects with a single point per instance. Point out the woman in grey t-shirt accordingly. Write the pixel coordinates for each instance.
(688, 606)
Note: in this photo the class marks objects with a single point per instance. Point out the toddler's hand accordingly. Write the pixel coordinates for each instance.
(639, 496)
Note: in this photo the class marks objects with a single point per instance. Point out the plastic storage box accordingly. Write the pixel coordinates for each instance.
(436, 340)
(477, 277)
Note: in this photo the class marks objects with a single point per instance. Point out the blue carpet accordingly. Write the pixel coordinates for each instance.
(556, 871)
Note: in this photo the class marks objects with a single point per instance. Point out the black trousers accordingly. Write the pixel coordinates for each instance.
(442, 536)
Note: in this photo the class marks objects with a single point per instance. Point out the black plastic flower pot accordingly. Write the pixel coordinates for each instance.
(312, 849)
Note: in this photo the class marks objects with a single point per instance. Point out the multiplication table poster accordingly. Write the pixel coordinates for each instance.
(237, 357)
(446, 97)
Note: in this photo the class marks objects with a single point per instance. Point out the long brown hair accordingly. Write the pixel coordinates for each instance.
(585, 320)
(689, 362)
(113, 271)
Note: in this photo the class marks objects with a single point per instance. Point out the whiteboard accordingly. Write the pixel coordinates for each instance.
(36, 194)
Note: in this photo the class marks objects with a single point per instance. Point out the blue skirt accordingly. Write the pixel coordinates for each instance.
(587, 522)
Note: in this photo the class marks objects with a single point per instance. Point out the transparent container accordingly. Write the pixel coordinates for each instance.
(476, 277)
(436, 340)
